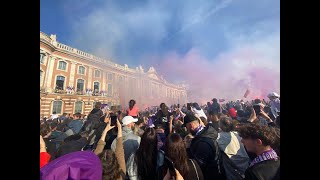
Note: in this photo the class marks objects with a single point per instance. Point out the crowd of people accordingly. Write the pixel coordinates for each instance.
(234, 140)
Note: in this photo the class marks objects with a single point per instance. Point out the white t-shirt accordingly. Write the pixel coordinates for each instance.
(200, 112)
(54, 116)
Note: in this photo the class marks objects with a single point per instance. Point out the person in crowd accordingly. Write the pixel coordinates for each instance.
(113, 163)
(175, 149)
(215, 107)
(54, 115)
(133, 109)
(93, 119)
(214, 120)
(45, 132)
(143, 163)
(163, 116)
(187, 140)
(196, 109)
(275, 103)
(73, 143)
(139, 126)
(161, 136)
(75, 125)
(57, 135)
(258, 115)
(203, 147)
(130, 140)
(230, 144)
(258, 139)
(44, 155)
(63, 117)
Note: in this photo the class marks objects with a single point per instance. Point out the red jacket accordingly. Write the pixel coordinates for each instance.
(233, 112)
(44, 158)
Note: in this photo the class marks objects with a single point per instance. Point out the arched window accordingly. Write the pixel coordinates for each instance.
(60, 82)
(62, 65)
(96, 86)
(110, 77)
(81, 70)
(96, 73)
(78, 107)
(57, 107)
(80, 85)
(42, 55)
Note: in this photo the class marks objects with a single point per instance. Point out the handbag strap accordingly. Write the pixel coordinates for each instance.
(195, 168)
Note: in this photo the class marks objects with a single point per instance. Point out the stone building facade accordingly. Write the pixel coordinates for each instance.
(72, 81)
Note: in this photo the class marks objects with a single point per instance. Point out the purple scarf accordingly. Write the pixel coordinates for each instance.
(267, 155)
(198, 130)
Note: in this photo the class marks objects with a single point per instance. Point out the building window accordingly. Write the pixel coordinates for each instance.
(81, 70)
(96, 87)
(62, 65)
(41, 73)
(42, 58)
(110, 77)
(80, 85)
(60, 82)
(57, 106)
(78, 107)
(96, 73)
(109, 89)
(120, 78)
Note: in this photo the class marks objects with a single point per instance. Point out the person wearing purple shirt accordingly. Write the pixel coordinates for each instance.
(274, 103)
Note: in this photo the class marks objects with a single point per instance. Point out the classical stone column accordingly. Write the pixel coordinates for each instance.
(104, 81)
(49, 74)
(72, 73)
(89, 86)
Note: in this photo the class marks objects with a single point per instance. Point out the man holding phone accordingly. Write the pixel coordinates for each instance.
(130, 141)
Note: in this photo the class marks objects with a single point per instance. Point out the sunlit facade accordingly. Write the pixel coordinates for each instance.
(72, 81)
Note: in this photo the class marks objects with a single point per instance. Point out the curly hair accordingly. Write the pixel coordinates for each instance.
(226, 124)
(258, 131)
(110, 166)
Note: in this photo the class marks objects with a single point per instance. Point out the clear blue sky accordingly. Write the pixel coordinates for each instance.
(132, 31)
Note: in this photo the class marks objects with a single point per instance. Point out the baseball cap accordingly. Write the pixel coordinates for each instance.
(128, 119)
(189, 118)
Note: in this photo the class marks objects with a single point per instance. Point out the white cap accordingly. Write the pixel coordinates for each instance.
(273, 94)
(128, 119)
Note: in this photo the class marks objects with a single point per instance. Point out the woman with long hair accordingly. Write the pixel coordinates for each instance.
(143, 164)
(175, 149)
(133, 109)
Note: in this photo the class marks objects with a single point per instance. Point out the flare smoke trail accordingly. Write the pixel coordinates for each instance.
(218, 48)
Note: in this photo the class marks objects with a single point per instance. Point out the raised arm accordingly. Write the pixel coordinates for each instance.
(101, 142)
(120, 150)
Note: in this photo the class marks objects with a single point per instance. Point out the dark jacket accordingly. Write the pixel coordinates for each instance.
(163, 119)
(215, 108)
(75, 126)
(203, 149)
(266, 170)
(72, 146)
(93, 120)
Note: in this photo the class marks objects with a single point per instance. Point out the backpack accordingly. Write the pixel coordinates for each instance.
(226, 165)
